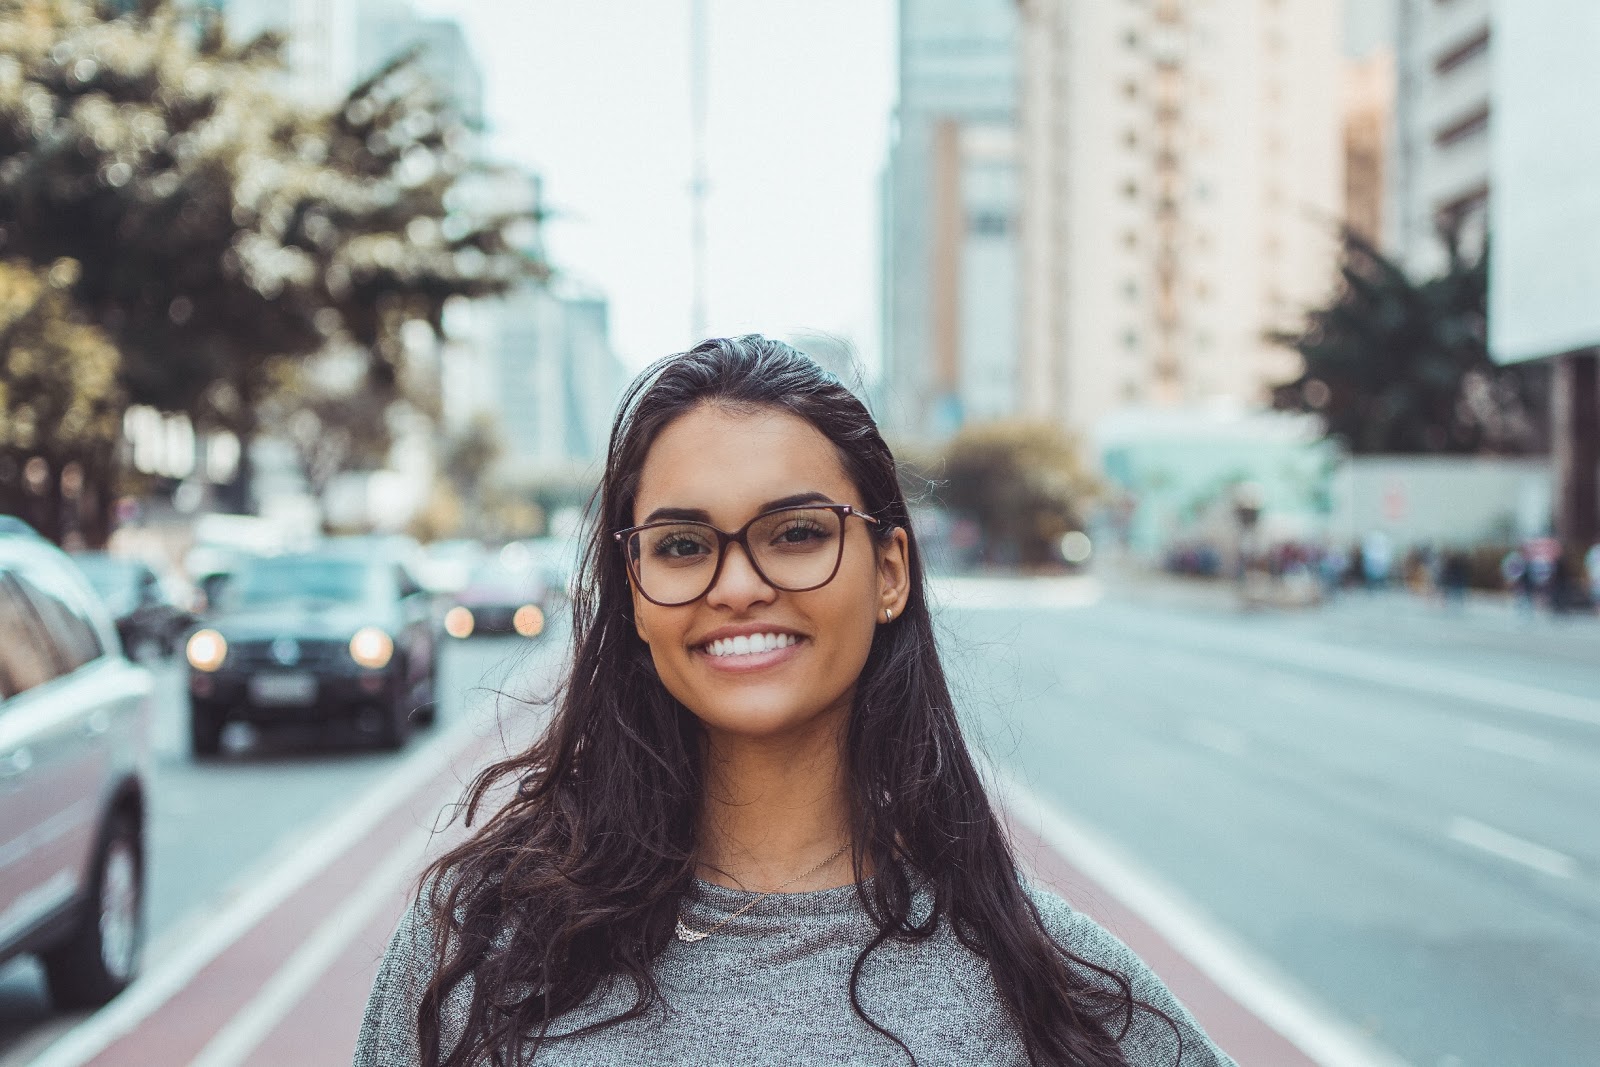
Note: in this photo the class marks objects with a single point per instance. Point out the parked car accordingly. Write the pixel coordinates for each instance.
(74, 718)
(314, 637)
(146, 612)
(504, 595)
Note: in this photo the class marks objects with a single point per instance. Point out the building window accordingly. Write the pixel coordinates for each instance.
(1474, 46)
(1471, 124)
(1130, 289)
(1131, 139)
(1130, 189)
(988, 224)
(1130, 89)
(1130, 239)
(1130, 340)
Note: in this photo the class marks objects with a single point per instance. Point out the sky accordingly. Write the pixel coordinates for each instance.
(595, 97)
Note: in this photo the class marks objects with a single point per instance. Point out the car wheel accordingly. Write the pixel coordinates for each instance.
(102, 955)
(205, 730)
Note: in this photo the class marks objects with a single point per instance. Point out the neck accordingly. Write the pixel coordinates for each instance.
(773, 810)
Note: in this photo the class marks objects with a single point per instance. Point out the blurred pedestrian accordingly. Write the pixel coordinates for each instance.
(1518, 578)
(1455, 574)
(752, 831)
(1377, 558)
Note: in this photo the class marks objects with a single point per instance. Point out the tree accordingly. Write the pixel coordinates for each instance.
(225, 230)
(1396, 365)
(60, 406)
(1021, 482)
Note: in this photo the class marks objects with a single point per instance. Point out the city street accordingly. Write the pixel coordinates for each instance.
(1394, 806)
(1385, 809)
(220, 828)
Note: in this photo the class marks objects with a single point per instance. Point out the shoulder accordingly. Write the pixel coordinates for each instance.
(388, 1035)
(1150, 1039)
(1081, 935)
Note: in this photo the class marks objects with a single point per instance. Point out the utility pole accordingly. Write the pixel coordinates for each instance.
(699, 59)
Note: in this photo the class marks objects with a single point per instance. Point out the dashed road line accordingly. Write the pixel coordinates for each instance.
(1511, 847)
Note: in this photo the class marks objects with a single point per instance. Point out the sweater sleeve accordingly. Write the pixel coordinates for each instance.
(389, 1028)
(1150, 1041)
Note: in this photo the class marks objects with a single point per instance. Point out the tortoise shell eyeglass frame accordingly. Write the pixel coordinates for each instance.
(739, 537)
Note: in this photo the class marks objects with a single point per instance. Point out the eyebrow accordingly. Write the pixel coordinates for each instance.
(701, 515)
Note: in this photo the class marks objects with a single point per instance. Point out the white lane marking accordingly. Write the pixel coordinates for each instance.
(1398, 673)
(205, 943)
(1510, 743)
(234, 1043)
(1511, 847)
(1254, 983)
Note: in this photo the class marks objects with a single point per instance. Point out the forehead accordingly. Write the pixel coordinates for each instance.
(728, 462)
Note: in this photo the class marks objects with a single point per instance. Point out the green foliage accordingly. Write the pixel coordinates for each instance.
(1398, 366)
(227, 232)
(58, 376)
(60, 404)
(1021, 482)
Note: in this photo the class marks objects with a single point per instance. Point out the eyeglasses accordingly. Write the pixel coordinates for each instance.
(793, 549)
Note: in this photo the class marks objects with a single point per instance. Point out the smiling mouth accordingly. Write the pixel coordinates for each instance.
(732, 648)
(748, 647)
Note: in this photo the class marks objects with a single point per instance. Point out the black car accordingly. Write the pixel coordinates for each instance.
(314, 638)
(146, 616)
(74, 772)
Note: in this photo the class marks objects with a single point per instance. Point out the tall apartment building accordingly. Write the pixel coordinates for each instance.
(1368, 133)
(1182, 187)
(1441, 130)
(949, 215)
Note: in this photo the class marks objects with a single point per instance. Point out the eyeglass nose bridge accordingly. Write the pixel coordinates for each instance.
(740, 537)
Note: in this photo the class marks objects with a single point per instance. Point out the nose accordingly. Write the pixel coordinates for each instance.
(739, 585)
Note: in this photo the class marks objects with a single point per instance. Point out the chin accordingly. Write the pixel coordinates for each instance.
(759, 718)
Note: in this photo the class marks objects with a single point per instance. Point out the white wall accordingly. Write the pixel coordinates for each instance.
(1453, 500)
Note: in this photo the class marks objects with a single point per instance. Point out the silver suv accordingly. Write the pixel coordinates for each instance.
(74, 716)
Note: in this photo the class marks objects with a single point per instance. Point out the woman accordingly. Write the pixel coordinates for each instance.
(752, 832)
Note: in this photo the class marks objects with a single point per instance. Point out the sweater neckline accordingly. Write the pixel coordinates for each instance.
(720, 900)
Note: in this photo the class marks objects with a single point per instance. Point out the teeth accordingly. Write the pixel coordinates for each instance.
(746, 645)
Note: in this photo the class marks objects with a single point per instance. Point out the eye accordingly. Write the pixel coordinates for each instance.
(800, 532)
(678, 547)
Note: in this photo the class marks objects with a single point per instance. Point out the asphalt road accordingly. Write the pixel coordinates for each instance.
(1394, 805)
(218, 826)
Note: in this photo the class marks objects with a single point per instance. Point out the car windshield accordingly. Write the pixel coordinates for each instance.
(291, 579)
(114, 579)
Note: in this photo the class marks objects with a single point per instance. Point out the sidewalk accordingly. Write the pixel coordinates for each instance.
(281, 977)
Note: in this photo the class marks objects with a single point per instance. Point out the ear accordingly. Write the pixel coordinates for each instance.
(894, 575)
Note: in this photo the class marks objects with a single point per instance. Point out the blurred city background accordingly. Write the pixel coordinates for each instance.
(1241, 356)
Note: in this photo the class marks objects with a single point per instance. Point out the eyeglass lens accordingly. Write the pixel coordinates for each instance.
(794, 549)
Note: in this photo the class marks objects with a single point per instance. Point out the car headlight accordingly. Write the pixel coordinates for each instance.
(458, 622)
(206, 650)
(371, 647)
(528, 621)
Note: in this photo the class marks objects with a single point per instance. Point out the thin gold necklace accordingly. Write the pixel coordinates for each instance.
(690, 935)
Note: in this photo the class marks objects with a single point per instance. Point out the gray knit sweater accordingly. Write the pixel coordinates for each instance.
(772, 987)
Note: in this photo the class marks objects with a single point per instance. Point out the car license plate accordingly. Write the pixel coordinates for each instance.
(283, 689)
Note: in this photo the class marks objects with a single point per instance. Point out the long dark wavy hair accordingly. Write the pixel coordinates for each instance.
(577, 879)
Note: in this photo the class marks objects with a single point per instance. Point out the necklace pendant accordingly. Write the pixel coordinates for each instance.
(689, 936)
